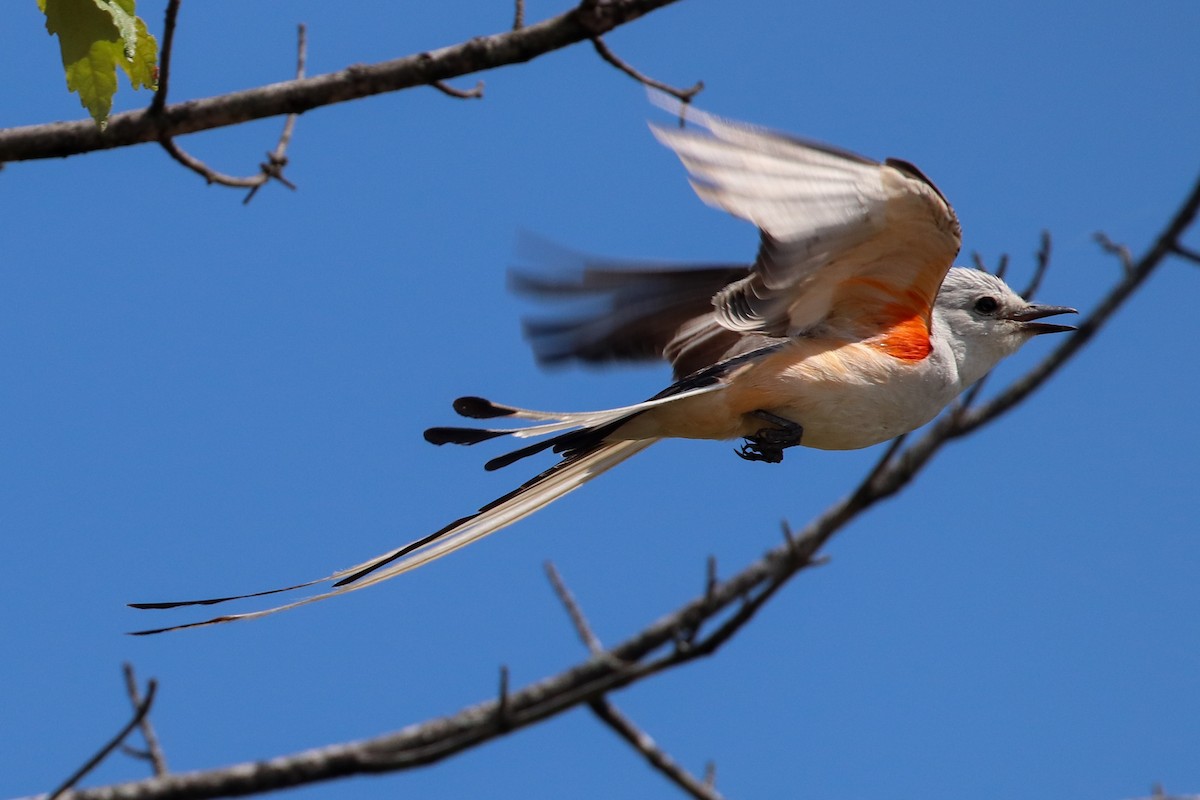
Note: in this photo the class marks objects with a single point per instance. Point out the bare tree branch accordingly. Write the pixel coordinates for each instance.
(586, 635)
(591, 18)
(642, 743)
(153, 752)
(1041, 264)
(272, 168)
(1185, 252)
(694, 630)
(1119, 250)
(682, 95)
(139, 713)
(473, 93)
(608, 713)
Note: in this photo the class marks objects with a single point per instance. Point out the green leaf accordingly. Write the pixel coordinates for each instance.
(95, 36)
(142, 65)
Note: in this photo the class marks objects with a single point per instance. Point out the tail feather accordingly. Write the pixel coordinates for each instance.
(453, 435)
(583, 442)
(564, 477)
(481, 408)
(552, 421)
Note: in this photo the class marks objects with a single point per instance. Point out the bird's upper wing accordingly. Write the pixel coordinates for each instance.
(634, 311)
(847, 243)
(630, 310)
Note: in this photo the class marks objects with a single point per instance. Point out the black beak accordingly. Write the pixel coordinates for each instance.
(1035, 312)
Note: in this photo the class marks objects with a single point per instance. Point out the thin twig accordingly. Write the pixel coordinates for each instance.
(277, 158)
(578, 620)
(502, 702)
(641, 742)
(1001, 265)
(1185, 252)
(519, 15)
(461, 94)
(159, 101)
(272, 168)
(883, 463)
(1041, 264)
(1119, 250)
(682, 95)
(787, 533)
(153, 752)
(135, 752)
(139, 713)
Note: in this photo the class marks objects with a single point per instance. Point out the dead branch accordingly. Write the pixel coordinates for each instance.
(1119, 250)
(607, 713)
(139, 713)
(640, 741)
(462, 94)
(694, 630)
(153, 752)
(1041, 264)
(591, 18)
(578, 620)
(682, 95)
(1185, 252)
(272, 168)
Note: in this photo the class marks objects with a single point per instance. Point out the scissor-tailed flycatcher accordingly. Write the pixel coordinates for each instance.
(849, 329)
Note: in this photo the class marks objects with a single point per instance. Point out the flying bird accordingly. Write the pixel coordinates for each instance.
(850, 328)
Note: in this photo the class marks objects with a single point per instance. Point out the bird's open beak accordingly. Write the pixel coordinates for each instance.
(1036, 312)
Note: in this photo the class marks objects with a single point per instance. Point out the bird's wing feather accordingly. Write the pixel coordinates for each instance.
(846, 242)
(624, 311)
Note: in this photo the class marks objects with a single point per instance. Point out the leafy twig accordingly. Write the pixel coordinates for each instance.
(582, 23)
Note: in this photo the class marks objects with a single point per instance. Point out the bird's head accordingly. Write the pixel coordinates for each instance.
(988, 321)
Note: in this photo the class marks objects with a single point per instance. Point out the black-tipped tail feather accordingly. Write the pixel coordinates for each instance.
(565, 476)
(481, 408)
(452, 435)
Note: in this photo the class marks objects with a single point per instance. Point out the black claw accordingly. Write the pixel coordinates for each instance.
(768, 444)
(754, 450)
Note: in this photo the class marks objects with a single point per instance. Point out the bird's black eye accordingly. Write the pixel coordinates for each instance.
(986, 305)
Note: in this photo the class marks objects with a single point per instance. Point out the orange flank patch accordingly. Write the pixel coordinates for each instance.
(899, 315)
(907, 340)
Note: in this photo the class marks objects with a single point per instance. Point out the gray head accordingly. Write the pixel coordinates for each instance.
(987, 320)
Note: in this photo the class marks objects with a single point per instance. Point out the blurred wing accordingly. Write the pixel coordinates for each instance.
(847, 243)
(631, 311)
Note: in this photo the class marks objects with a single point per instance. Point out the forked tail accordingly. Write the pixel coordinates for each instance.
(581, 439)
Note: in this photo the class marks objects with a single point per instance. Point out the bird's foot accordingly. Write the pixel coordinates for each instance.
(768, 444)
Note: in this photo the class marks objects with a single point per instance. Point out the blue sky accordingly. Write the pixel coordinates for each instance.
(202, 398)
